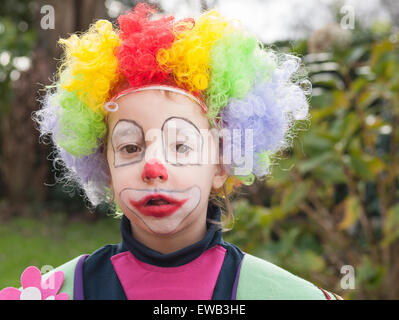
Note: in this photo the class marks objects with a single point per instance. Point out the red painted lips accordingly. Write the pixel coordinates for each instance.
(157, 205)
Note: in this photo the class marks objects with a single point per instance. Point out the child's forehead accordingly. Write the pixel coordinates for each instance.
(150, 109)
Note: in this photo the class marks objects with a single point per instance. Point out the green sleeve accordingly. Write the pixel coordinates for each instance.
(262, 280)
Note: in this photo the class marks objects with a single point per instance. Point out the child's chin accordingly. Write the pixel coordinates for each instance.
(166, 225)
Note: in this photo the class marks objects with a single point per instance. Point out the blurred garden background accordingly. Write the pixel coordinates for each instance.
(329, 211)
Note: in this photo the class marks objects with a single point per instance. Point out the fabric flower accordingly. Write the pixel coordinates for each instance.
(34, 289)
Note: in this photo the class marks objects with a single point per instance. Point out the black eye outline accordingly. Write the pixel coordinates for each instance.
(144, 146)
(163, 142)
(136, 159)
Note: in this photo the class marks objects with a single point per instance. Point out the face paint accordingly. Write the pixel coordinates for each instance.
(162, 211)
(153, 169)
(182, 142)
(128, 143)
(182, 180)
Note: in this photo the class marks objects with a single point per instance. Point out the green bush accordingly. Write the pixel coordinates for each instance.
(333, 200)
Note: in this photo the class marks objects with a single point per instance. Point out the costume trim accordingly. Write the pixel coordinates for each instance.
(78, 292)
(234, 291)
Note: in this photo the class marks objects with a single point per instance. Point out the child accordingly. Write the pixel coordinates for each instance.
(138, 117)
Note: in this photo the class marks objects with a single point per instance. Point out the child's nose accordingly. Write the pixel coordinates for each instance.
(154, 169)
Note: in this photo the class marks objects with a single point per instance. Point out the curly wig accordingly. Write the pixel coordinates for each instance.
(243, 84)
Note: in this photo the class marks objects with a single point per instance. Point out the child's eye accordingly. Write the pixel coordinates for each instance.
(131, 148)
(182, 148)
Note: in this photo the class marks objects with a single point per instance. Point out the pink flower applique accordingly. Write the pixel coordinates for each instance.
(34, 289)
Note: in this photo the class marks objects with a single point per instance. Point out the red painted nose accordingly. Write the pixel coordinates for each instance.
(153, 169)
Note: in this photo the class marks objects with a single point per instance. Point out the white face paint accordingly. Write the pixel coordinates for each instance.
(128, 143)
(161, 218)
(144, 159)
(182, 142)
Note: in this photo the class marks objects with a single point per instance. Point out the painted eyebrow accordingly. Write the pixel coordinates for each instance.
(184, 119)
(199, 133)
(133, 123)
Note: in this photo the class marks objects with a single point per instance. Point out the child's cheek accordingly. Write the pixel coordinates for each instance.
(126, 177)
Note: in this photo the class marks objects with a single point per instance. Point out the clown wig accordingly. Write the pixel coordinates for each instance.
(241, 84)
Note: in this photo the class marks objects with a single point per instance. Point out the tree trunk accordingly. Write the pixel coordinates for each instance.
(24, 167)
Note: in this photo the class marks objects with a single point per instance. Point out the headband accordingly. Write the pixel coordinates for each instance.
(123, 93)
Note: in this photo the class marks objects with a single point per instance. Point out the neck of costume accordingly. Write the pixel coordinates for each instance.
(204, 270)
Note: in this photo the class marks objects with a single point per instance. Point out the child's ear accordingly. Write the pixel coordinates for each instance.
(219, 178)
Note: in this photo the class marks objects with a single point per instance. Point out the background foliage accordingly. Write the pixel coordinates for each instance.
(331, 201)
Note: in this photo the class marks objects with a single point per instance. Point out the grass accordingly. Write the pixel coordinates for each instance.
(51, 241)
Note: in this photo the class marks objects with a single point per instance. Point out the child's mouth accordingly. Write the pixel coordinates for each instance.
(157, 202)
(157, 205)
